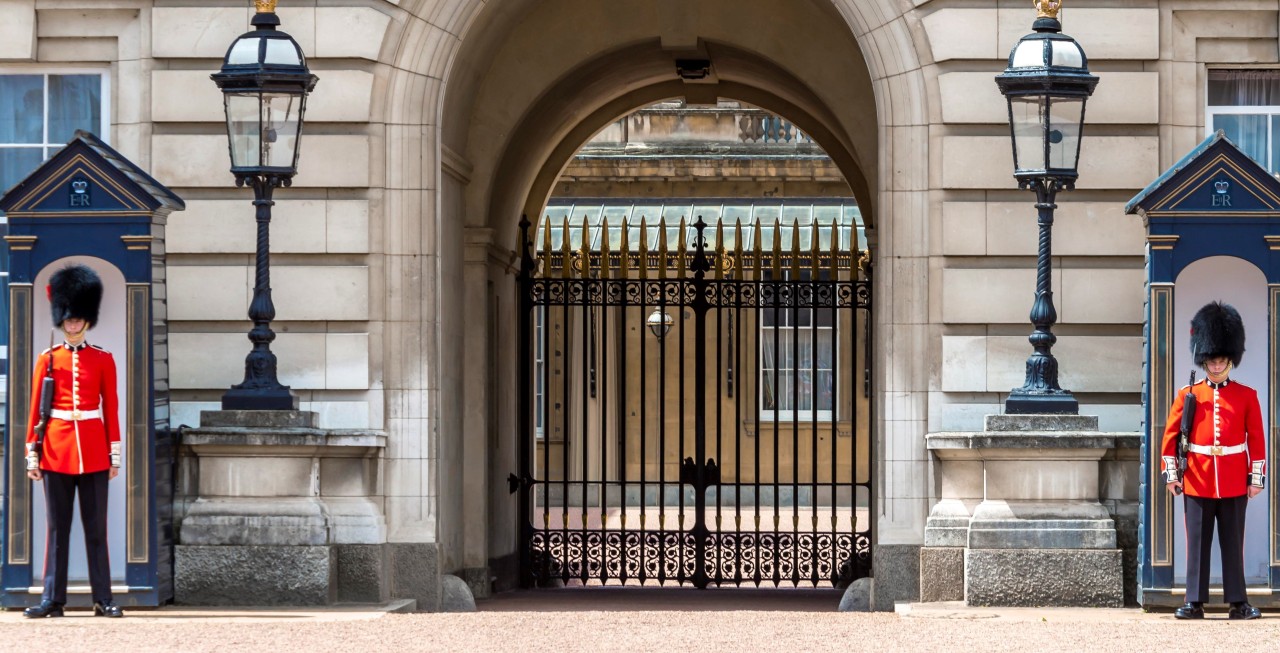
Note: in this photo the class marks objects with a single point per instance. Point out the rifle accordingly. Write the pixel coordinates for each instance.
(46, 404)
(1184, 432)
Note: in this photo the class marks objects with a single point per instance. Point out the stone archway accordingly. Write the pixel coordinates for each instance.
(477, 126)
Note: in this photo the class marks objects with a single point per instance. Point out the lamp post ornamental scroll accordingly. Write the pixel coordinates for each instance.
(1046, 85)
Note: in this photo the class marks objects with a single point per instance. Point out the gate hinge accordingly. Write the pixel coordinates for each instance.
(514, 483)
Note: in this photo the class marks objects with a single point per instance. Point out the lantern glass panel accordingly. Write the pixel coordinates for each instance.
(280, 112)
(243, 128)
(1029, 54)
(282, 52)
(1067, 53)
(1027, 112)
(1065, 117)
(243, 51)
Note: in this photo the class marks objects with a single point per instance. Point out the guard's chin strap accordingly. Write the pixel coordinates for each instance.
(1219, 378)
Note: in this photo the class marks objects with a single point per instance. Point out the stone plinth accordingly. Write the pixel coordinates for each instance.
(279, 500)
(1020, 521)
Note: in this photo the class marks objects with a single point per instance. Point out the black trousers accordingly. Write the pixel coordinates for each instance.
(1201, 514)
(59, 493)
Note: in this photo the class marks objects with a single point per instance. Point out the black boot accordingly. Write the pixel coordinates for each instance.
(1242, 610)
(1192, 610)
(107, 608)
(45, 609)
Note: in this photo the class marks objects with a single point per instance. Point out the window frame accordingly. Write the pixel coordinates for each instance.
(809, 415)
(1270, 111)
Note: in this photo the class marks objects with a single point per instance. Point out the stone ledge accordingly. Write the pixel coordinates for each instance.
(1024, 423)
(269, 419)
(262, 436)
(1028, 440)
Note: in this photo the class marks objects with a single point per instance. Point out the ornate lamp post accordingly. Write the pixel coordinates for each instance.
(264, 81)
(1046, 84)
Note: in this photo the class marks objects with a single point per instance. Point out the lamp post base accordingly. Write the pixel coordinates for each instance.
(278, 398)
(1052, 402)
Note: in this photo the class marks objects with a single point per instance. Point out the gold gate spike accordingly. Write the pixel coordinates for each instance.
(605, 262)
(682, 242)
(777, 248)
(662, 246)
(795, 249)
(644, 255)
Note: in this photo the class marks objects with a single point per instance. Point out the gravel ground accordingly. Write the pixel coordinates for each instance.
(702, 629)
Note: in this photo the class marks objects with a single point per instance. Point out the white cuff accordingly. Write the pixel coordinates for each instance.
(115, 454)
(33, 461)
(1171, 474)
(1257, 476)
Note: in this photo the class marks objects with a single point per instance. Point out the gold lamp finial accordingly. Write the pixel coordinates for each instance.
(1047, 8)
(266, 6)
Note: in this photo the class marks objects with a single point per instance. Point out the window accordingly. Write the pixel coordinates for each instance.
(39, 112)
(1245, 105)
(797, 361)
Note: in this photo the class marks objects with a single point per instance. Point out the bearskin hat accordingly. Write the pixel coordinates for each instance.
(1217, 330)
(75, 291)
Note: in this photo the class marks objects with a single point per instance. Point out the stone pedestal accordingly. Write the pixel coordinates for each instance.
(1020, 521)
(284, 513)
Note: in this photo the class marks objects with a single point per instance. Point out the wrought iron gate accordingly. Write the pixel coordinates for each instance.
(694, 412)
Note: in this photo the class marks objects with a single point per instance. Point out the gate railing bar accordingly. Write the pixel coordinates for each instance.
(548, 425)
(623, 382)
(719, 402)
(815, 393)
(853, 441)
(737, 422)
(775, 283)
(587, 352)
(566, 324)
(644, 404)
(603, 407)
(755, 401)
(682, 247)
(793, 291)
(701, 466)
(662, 409)
(834, 275)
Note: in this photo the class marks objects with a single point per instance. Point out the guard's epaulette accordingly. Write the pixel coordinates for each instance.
(98, 348)
(48, 350)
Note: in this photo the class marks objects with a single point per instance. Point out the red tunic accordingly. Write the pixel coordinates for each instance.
(84, 446)
(1234, 410)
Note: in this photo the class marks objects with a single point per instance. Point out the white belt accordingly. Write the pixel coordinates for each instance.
(1216, 450)
(76, 415)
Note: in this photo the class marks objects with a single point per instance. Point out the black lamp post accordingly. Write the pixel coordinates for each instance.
(264, 81)
(1047, 83)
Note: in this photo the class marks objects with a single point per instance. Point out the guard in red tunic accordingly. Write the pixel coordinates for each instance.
(1226, 460)
(81, 448)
